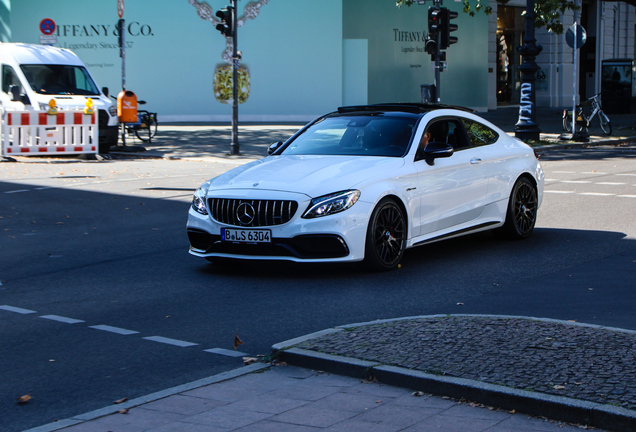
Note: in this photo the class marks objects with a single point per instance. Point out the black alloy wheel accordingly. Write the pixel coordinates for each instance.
(386, 236)
(522, 210)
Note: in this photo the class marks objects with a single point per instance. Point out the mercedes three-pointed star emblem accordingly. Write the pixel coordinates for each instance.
(245, 213)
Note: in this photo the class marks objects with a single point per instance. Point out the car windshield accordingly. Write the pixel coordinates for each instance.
(59, 79)
(364, 135)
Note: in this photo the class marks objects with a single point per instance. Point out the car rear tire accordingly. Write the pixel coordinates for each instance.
(522, 210)
(386, 236)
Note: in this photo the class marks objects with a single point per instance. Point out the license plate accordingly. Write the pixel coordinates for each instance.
(246, 236)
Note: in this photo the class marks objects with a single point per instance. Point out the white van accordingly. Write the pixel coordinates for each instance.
(32, 75)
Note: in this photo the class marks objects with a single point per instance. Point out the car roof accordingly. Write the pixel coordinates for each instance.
(408, 107)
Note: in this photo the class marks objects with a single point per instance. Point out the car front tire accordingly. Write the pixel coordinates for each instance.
(386, 236)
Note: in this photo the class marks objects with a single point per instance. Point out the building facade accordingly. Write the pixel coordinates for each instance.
(302, 58)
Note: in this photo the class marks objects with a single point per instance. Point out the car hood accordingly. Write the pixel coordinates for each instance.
(310, 175)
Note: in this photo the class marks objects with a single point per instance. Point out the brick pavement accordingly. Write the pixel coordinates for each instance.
(584, 362)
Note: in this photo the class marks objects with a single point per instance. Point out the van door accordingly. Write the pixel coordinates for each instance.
(16, 100)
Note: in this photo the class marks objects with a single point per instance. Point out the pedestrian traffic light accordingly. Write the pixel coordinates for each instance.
(226, 27)
(431, 48)
(445, 28)
(433, 22)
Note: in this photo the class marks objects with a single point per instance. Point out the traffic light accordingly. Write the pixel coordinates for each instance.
(433, 22)
(445, 28)
(431, 48)
(226, 27)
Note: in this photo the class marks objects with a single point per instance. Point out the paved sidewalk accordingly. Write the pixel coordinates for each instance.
(212, 141)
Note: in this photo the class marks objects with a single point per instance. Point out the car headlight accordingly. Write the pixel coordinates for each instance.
(332, 203)
(198, 199)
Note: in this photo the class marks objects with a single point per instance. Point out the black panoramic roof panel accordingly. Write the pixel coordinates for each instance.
(414, 108)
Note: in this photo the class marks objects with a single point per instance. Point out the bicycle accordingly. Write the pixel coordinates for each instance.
(583, 122)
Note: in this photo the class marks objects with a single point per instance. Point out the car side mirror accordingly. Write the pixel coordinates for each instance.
(105, 91)
(273, 147)
(436, 150)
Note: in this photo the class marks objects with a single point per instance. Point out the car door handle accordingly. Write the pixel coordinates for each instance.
(475, 161)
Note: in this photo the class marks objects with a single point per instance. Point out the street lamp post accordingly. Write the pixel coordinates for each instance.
(527, 128)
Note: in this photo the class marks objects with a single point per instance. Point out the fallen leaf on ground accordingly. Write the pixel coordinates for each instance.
(558, 387)
(118, 401)
(418, 393)
(123, 411)
(237, 341)
(249, 360)
(24, 399)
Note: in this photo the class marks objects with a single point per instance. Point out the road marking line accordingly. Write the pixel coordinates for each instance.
(226, 352)
(596, 194)
(17, 191)
(17, 309)
(558, 191)
(62, 319)
(630, 175)
(117, 330)
(626, 196)
(575, 181)
(169, 341)
(601, 173)
(564, 172)
(609, 183)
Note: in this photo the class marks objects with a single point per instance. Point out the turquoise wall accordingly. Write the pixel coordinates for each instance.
(300, 54)
(398, 63)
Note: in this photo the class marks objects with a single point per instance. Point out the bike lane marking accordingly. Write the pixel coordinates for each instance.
(112, 329)
(169, 341)
(62, 319)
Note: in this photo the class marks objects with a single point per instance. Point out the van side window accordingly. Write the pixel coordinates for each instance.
(9, 78)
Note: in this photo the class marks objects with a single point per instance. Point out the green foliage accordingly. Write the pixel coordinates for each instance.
(548, 13)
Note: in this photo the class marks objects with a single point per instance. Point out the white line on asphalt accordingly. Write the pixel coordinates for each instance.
(630, 175)
(17, 191)
(575, 181)
(169, 341)
(609, 183)
(564, 172)
(558, 192)
(594, 172)
(596, 194)
(226, 352)
(61, 319)
(117, 330)
(16, 309)
(626, 196)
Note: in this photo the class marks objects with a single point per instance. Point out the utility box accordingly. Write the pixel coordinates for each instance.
(127, 107)
(616, 86)
(429, 95)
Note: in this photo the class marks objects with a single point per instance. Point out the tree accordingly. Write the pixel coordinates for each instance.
(548, 13)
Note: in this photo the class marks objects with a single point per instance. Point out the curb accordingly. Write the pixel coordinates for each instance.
(533, 403)
(92, 415)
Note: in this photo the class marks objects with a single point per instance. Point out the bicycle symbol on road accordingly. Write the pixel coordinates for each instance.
(47, 26)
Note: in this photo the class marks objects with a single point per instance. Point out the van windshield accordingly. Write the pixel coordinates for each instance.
(59, 79)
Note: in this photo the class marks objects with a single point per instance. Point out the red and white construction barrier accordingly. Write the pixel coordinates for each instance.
(33, 133)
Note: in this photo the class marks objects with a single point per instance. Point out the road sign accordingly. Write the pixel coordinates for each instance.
(581, 36)
(120, 8)
(47, 26)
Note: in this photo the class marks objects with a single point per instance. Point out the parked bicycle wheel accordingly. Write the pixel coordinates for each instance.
(148, 128)
(606, 125)
(567, 124)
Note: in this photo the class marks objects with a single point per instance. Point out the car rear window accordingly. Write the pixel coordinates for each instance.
(370, 135)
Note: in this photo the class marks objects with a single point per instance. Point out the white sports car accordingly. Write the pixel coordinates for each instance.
(366, 183)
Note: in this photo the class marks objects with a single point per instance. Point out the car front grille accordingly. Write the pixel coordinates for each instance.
(252, 213)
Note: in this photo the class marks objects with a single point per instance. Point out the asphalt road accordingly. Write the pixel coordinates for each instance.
(100, 300)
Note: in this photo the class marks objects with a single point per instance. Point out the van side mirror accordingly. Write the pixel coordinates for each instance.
(105, 91)
(273, 147)
(14, 93)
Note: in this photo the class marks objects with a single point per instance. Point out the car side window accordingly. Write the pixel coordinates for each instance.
(9, 78)
(479, 134)
(448, 131)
